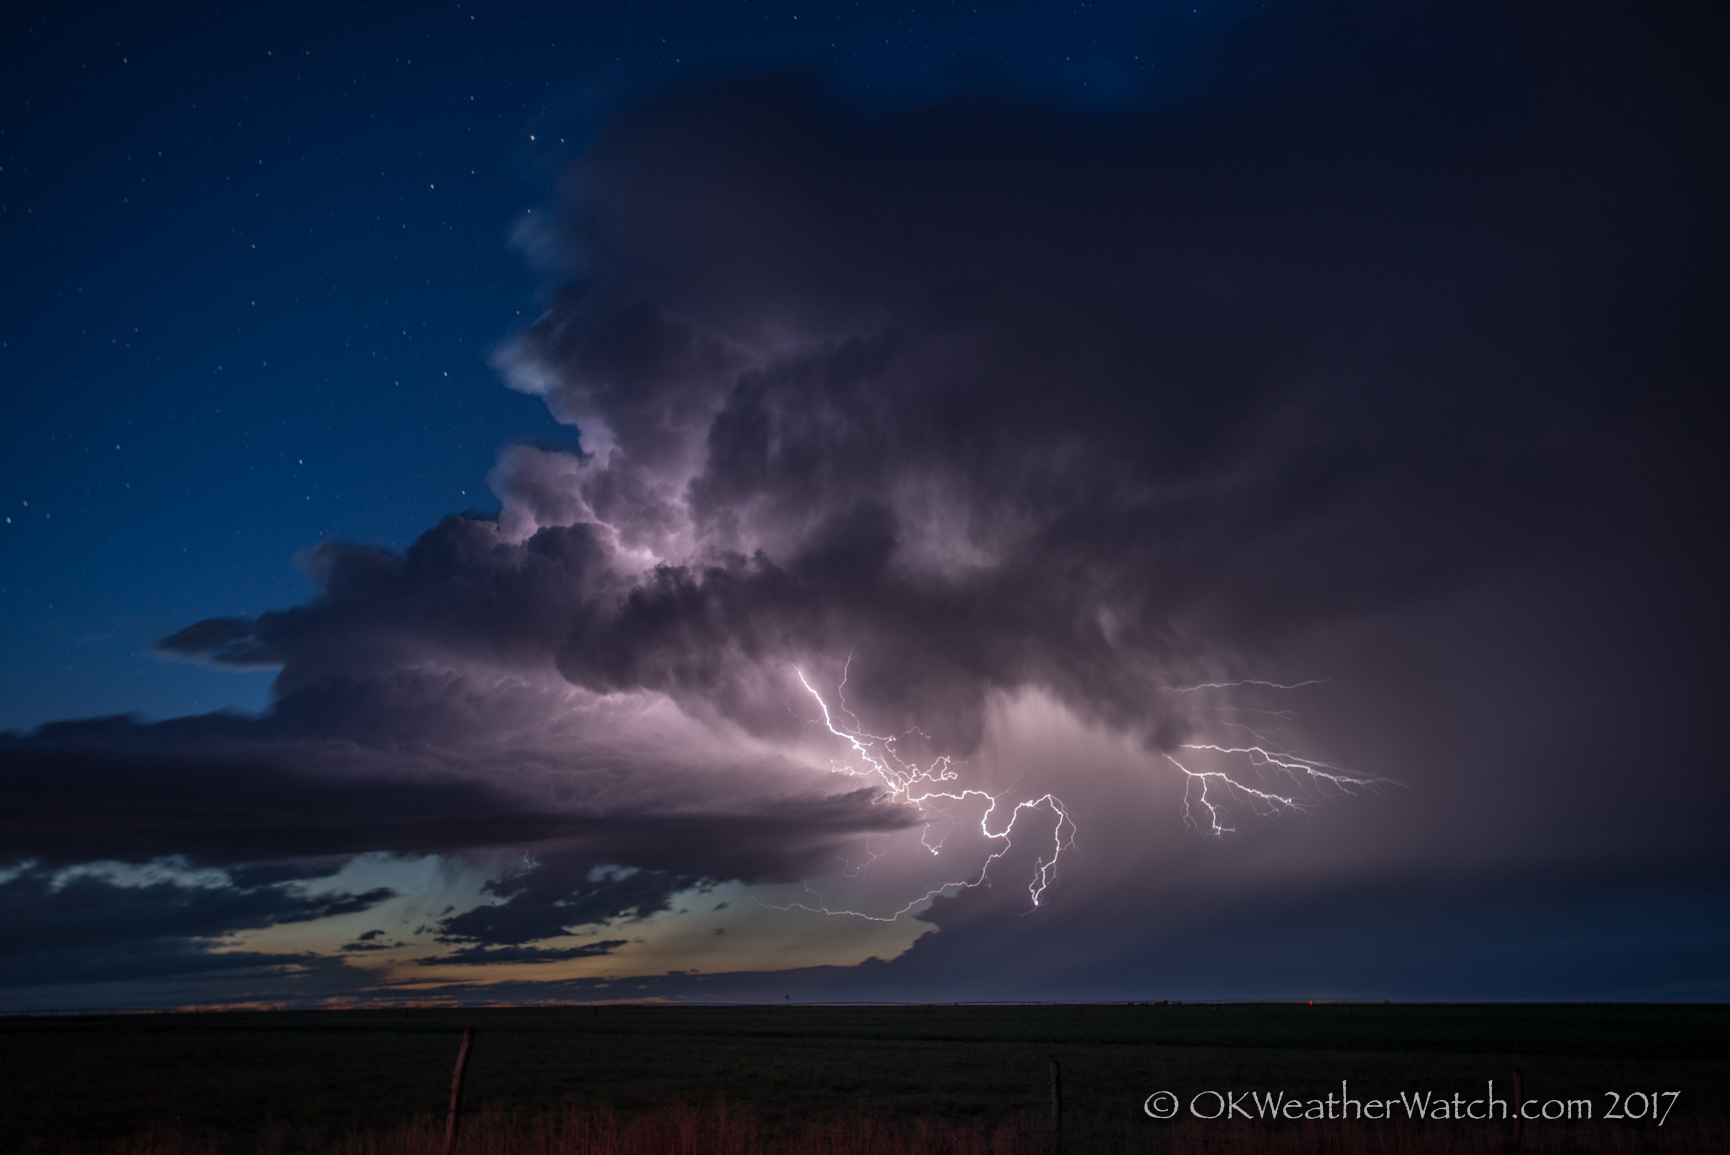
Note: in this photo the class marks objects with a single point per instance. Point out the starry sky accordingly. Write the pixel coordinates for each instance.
(718, 501)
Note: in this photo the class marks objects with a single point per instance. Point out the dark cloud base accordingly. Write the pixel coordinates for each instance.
(1388, 941)
(86, 928)
(479, 956)
(119, 790)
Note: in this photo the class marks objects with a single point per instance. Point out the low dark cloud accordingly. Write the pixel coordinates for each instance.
(560, 894)
(86, 926)
(480, 956)
(1383, 323)
(234, 791)
(125, 795)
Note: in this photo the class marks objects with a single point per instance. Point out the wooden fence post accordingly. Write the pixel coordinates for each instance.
(457, 1091)
(1056, 1110)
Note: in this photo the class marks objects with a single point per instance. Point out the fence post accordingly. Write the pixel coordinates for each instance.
(1056, 1109)
(457, 1090)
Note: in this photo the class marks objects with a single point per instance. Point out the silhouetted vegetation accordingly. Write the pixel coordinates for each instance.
(626, 1079)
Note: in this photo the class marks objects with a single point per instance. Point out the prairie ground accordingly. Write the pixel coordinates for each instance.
(845, 1079)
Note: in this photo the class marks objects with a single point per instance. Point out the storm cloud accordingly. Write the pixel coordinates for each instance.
(995, 396)
(1372, 312)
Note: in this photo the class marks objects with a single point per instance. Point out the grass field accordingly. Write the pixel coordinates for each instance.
(964, 1078)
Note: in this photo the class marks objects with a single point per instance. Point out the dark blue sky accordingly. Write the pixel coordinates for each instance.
(516, 466)
(256, 262)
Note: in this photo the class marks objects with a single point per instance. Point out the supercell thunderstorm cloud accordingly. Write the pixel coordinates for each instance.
(973, 508)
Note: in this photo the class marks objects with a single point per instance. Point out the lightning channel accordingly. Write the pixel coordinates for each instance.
(1267, 762)
(934, 789)
(1256, 774)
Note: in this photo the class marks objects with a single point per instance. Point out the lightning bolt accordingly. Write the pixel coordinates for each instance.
(932, 790)
(1248, 682)
(1267, 761)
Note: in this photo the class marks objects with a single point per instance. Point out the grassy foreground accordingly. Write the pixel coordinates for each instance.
(624, 1079)
(716, 1130)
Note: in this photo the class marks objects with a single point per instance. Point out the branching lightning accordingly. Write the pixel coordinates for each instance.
(1277, 781)
(1266, 760)
(1301, 770)
(930, 789)
(1248, 682)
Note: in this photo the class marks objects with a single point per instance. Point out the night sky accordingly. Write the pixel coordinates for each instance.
(725, 501)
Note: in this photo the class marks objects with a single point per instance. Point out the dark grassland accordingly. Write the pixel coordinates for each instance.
(288, 1080)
